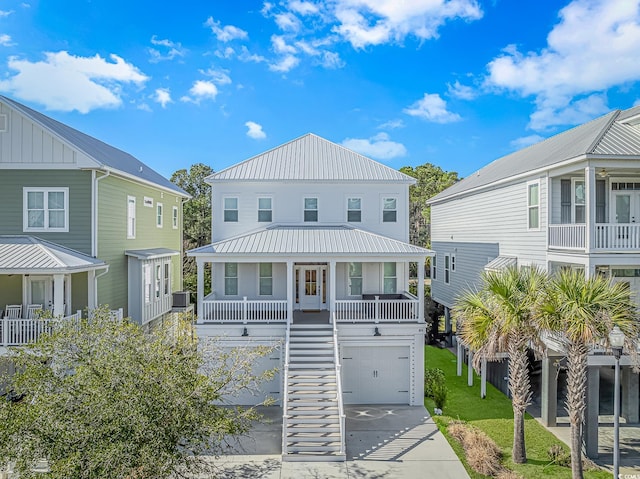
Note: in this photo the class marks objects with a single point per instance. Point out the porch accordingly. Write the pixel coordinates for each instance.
(615, 237)
(21, 331)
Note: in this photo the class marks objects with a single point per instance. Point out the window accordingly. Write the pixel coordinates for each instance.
(354, 210)
(231, 279)
(265, 213)
(311, 209)
(447, 268)
(159, 215)
(578, 201)
(167, 278)
(533, 204)
(355, 279)
(434, 267)
(231, 209)
(453, 262)
(158, 280)
(389, 211)
(174, 218)
(131, 217)
(46, 209)
(390, 280)
(266, 279)
(146, 273)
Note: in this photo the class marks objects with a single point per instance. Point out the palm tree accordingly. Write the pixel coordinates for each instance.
(580, 312)
(498, 319)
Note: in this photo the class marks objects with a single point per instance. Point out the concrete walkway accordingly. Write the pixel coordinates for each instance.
(382, 442)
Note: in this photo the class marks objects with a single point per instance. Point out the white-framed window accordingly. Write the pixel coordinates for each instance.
(311, 209)
(453, 262)
(265, 287)
(174, 217)
(434, 267)
(167, 278)
(158, 281)
(231, 210)
(159, 221)
(447, 268)
(46, 209)
(231, 279)
(533, 205)
(146, 274)
(355, 279)
(265, 213)
(354, 210)
(390, 279)
(389, 210)
(578, 200)
(131, 217)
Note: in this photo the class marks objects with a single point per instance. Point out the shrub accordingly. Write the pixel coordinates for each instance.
(440, 395)
(432, 377)
(559, 455)
(482, 453)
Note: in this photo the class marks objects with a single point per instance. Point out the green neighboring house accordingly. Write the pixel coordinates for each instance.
(83, 223)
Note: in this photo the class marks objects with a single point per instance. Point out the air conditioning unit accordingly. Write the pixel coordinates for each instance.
(181, 299)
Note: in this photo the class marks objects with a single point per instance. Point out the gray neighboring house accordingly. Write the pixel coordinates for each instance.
(571, 201)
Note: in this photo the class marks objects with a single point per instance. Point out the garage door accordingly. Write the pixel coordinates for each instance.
(375, 375)
(269, 388)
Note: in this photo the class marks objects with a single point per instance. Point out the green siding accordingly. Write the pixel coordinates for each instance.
(112, 234)
(10, 290)
(79, 183)
(79, 292)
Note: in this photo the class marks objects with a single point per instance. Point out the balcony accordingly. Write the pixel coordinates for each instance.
(606, 237)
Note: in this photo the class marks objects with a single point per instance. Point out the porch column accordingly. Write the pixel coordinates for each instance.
(470, 369)
(91, 289)
(590, 207)
(200, 287)
(590, 428)
(459, 358)
(630, 401)
(483, 379)
(58, 294)
(290, 296)
(332, 289)
(421, 291)
(549, 392)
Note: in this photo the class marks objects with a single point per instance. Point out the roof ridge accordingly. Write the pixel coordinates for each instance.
(598, 139)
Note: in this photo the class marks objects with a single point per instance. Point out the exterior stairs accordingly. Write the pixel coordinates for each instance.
(312, 425)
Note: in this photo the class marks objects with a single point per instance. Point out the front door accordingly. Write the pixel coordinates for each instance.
(627, 207)
(40, 291)
(310, 287)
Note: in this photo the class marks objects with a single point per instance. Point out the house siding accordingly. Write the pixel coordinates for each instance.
(10, 290)
(79, 292)
(12, 183)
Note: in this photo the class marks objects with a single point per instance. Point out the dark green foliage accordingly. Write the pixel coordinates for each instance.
(433, 377)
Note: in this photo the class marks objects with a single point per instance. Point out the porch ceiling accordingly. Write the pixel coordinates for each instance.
(340, 240)
(31, 255)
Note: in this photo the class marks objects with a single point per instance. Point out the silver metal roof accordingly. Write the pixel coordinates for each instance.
(607, 135)
(100, 152)
(284, 240)
(310, 158)
(31, 255)
(151, 253)
(500, 263)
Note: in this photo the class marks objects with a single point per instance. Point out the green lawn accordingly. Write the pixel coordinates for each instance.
(494, 415)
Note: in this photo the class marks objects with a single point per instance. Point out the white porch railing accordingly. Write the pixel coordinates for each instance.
(567, 236)
(378, 310)
(243, 310)
(342, 416)
(607, 236)
(17, 332)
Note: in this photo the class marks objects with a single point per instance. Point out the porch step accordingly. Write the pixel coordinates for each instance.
(309, 345)
(312, 395)
(310, 339)
(308, 428)
(323, 365)
(314, 387)
(314, 448)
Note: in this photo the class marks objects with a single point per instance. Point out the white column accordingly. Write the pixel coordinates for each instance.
(459, 358)
(200, 288)
(590, 206)
(290, 295)
(483, 379)
(332, 289)
(92, 290)
(58, 294)
(420, 291)
(470, 369)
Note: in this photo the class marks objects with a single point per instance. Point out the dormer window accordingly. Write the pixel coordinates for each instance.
(311, 209)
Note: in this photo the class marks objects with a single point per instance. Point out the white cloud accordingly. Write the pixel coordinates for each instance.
(65, 82)
(392, 124)
(254, 130)
(285, 64)
(5, 40)
(288, 22)
(464, 92)
(173, 50)
(5, 13)
(246, 56)
(219, 77)
(203, 90)
(331, 60)
(226, 33)
(303, 8)
(432, 108)
(280, 45)
(592, 48)
(525, 141)
(379, 146)
(162, 96)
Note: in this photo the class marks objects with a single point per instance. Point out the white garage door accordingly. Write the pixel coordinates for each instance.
(270, 388)
(375, 375)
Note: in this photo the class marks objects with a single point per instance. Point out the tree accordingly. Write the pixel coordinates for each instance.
(580, 312)
(497, 319)
(431, 180)
(196, 219)
(100, 398)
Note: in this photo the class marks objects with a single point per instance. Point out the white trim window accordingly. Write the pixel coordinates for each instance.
(131, 217)
(355, 279)
(46, 209)
(146, 275)
(159, 215)
(265, 212)
(265, 286)
(579, 200)
(447, 268)
(453, 262)
(533, 205)
(311, 209)
(158, 281)
(390, 281)
(231, 279)
(389, 210)
(434, 267)
(231, 210)
(174, 218)
(167, 278)
(354, 210)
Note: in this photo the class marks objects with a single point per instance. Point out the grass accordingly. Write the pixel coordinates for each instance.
(494, 415)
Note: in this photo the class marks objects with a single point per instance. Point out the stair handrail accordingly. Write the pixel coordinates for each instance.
(336, 356)
(285, 395)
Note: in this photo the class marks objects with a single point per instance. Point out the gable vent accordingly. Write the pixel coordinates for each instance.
(4, 124)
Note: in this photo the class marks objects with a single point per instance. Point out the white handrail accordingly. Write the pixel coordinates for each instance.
(285, 394)
(336, 357)
(17, 332)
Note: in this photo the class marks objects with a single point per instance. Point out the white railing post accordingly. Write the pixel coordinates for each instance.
(341, 414)
(377, 310)
(5, 332)
(244, 310)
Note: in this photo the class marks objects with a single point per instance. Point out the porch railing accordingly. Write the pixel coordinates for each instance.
(607, 236)
(17, 332)
(243, 310)
(567, 236)
(378, 310)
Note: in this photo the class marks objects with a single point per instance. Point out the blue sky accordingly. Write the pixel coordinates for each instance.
(457, 83)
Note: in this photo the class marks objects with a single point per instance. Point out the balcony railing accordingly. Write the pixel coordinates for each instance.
(17, 332)
(377, 310)
(607, 236)
(243, 311)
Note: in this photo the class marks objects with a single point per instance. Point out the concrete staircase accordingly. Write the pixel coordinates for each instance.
(312, 413)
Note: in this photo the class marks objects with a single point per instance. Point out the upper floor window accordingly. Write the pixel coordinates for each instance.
(159, 208)
(46, 209)
(390, 279)
(131, 217)
(167, 278)
(447, 268)
(578, 201)
(265, 213)
(266, 279)
(354, 210)
(533, 205)
(174, 218)
(434, 267)
(389, 210)
(231, 279)
(231, 209)
(355, 279)
(311, 209)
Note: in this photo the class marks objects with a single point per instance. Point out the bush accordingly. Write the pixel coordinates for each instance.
(559, 455)
(482, 453)
(440, 395)
(432, 378)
